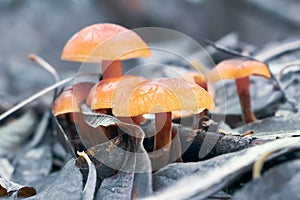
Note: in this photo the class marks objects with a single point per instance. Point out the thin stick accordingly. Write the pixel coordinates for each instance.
(49, 68)
(45, 65)
(34, 97)
(227, 50)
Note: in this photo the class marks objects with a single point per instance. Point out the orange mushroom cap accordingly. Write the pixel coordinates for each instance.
(104, 42)
(102, 94)
(164, 95)
(69, 100)
(235, 68)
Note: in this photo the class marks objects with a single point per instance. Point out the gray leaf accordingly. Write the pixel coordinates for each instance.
(97, 119)
(280, 182)
(134, 178)
(13, 134)
(90, 185)
(118, 186)
(68, 184)
(215, 178)
(14, 189)
(39, 166)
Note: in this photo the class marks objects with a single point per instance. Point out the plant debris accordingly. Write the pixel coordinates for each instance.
(14, 133)
(277, 183)
(219, 151)
(67, 185)
(12, 189)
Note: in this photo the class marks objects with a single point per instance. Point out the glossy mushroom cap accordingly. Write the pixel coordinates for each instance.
(104, 42)
(102, 94)
(164, 95)
(69, 100)
(235, 68)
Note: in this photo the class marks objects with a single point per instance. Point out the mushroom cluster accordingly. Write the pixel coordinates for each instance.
(161, 97)
(107, 44)
(126, 97)
(129, 97)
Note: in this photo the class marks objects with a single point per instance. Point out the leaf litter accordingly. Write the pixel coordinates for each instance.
(14, 133)
(67, 185)
(209, 176)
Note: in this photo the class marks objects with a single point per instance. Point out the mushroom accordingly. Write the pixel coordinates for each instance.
(197, 78)
(200, 79)
(106, 43)
(101, 96)
(67, 105)
(160, 97)
(240, 70)
(69, 100)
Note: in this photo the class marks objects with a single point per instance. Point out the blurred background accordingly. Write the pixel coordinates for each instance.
(43, 27)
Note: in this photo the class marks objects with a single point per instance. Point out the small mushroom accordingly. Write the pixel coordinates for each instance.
(240, 70)
(197, 78)
(106, 43)
(67, 105)
(200, 79)
(69, 100)
(160, 97)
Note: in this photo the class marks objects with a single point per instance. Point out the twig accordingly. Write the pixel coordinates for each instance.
(34, 97)
(49, 68)
(45, 65)
(227, 50)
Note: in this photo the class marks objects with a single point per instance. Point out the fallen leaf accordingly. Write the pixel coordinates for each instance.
(13, 134)
(6, 168)
(273, 127)
(90, 185)
(280, 182)
(213, 174)
(39, 166)
(67, 185)
(9, 188)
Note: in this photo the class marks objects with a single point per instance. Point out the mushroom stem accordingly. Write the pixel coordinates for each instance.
(163, 129)
(111, 69)
(162, 140)
(242, 85)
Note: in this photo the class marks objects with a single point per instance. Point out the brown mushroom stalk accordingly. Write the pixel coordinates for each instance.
(242, 85)
(163, 129)
(111, 69)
